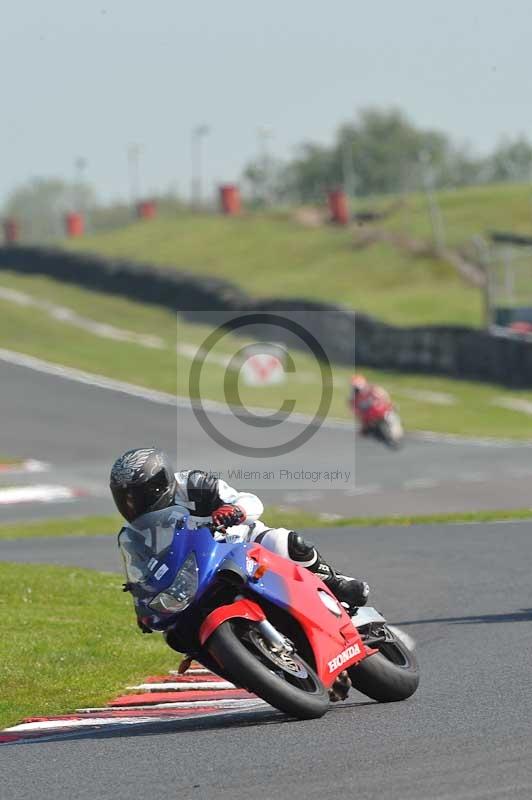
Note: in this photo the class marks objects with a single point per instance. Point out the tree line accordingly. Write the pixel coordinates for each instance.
(382, 152)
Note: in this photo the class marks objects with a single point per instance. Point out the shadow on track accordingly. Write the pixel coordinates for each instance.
(523, 615)
(233, 720)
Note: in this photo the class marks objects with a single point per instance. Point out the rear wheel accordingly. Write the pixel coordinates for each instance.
(279, 676)
(390, 675)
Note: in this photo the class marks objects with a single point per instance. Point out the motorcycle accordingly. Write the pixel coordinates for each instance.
(382, 421)
(258, 620)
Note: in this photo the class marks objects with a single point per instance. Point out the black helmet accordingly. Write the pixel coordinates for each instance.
(142, 480)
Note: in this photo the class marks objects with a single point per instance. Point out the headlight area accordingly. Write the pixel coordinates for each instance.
(180, 594)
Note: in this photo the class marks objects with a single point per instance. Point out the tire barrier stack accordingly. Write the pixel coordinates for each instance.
(507, 237)
(346, 336)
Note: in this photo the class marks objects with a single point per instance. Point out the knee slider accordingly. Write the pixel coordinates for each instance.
(299, 549)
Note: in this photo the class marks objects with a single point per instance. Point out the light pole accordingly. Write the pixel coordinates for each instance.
(80, 165)
(196, 160)
(436, 220)
(265, 135)
(348, 168)
(133, 161)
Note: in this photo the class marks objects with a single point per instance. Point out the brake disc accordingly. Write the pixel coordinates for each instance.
(288, 661)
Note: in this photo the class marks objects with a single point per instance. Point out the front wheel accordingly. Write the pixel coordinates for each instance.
(390, 675)
(390, 434)
(282, 678)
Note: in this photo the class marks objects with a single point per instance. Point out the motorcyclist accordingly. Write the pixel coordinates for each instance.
(363, 397)
(143, 480)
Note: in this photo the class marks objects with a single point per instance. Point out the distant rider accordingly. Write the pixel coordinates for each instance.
(363, 397)
(143, 480)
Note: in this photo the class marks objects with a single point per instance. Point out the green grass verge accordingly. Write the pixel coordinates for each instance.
(471, 412)
(111, 524)
(275, 255)
(434, 519)
(276, 517)
(69, 640)
(77, 526)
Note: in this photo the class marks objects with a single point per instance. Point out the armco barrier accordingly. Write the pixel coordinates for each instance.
(442, 350)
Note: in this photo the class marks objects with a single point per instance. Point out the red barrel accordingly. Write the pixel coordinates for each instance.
(11, 231)
(146, 209)
(230, 199)
(339, 207)
(74, 224)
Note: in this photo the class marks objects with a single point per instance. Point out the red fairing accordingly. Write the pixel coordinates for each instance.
(335, 641)
(372, 405)
(242, 609)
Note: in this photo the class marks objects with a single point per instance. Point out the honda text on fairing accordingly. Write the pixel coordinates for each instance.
(259, 620)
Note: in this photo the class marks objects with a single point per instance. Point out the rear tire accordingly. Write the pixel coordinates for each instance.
(249, 670)
(388, 676)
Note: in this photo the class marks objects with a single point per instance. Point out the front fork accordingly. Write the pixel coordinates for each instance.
(275, 639)
(279, 643)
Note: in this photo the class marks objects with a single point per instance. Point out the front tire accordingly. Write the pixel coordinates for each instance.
(386, 435)
(388, 676)
(235, 646)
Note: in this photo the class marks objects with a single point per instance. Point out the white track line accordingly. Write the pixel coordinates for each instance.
(53, 724)
(231, 702)
(477, 441)
(353, 491)
(192, 671)
(164, 398)
(89, 378)
(518, 472)
(513, 404)
(184, 687)
(105, 719)
(474, 477)
(420, 483)
(86, 722)
(30, 465)
(427, 396)
(152, 395)
(36, 494)
(71, 317)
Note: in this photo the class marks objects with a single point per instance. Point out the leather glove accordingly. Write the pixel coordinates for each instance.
(228, 515)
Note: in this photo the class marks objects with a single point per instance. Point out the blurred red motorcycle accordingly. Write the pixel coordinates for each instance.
(376, 412)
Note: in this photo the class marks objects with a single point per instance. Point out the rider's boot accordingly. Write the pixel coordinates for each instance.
(184, 665)
(347, 590)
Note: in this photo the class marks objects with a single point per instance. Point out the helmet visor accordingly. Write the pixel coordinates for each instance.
(134, 500)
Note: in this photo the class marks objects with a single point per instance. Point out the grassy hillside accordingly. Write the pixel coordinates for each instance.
(278, 256)
(467, 212)
(273, 254)
(426, 402)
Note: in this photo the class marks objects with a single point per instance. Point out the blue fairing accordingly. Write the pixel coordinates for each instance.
(156, 546)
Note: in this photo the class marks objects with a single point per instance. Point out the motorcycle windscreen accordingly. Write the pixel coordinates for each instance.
(147, 540)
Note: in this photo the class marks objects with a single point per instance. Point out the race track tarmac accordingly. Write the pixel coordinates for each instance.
(463, 591)
(79, 429)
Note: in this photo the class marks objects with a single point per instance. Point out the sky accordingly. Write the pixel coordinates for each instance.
(88, 79)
